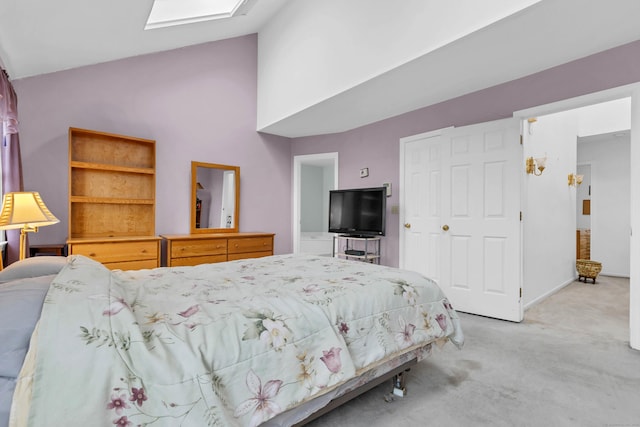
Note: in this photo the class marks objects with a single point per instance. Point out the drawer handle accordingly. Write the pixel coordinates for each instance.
(92, 254)
(144, 251)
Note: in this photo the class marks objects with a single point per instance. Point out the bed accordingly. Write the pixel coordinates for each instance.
(268, 341)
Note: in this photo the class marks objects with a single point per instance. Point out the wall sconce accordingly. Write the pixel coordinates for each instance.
(574, 180)
(537, 165)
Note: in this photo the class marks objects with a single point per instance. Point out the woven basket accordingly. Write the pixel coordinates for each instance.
(588, 269)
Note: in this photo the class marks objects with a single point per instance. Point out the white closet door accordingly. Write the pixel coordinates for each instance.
(462, 223)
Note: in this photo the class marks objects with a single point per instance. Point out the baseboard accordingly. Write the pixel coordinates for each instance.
(548, 294)
(624, 276)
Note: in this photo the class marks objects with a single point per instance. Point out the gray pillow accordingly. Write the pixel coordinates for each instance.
(20, 307)
(6, 396)
(33, 267)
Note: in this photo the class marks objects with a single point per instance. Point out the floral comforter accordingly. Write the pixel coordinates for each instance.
(220, 344)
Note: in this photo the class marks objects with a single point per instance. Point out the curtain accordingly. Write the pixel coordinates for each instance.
(10, 154)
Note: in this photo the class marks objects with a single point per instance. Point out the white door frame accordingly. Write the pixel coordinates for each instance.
(298, 161)
(628, 91)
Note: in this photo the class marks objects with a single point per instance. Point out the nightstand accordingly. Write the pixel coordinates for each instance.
(51, 250)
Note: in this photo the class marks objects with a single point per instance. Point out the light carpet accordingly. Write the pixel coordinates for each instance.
(568, 364)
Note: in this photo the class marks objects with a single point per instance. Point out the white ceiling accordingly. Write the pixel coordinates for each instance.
(544, 35)
(38, 37)
(623, 135)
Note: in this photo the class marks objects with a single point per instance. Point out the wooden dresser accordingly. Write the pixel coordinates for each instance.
(124, 253)
(194, 249)
(112, 186)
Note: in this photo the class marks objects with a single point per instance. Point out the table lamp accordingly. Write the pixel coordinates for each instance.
(26, 211)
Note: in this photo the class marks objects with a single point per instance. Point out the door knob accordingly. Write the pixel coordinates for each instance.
(407, 225)
(445, 227)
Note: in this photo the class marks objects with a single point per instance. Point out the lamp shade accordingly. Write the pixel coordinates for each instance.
(25, 210)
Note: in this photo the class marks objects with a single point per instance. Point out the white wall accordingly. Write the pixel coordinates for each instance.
(335, 45)
(634, 291)
(549, 229)
(610, 178)
(604, 117)
(610, 206)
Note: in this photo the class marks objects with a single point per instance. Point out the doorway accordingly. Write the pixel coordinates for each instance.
(583, 210)
(632, 92)
(552, 230)
(603, 199)
(314, 175)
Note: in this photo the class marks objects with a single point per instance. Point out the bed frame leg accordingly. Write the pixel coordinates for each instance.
(399, 387)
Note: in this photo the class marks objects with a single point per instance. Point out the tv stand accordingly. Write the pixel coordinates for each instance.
(355, 247)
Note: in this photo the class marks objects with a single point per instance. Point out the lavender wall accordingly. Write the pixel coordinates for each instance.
(376, 146)
(198, 103)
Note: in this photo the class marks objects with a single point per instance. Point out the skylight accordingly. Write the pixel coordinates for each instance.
(166, 13)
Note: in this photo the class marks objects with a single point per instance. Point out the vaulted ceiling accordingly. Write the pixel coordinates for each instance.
(39, 37)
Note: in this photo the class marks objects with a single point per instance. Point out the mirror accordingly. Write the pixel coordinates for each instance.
(215, 198)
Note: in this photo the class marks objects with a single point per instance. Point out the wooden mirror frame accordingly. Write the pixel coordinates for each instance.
(194, 187)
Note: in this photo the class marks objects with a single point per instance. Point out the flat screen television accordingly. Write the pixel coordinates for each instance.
(358, 212)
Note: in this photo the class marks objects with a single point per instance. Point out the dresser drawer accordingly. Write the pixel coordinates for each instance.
(194, 249)
(250, 244)
(132, 265)
(112, 252)
(195, 260)
(246, 255)
(191, 248)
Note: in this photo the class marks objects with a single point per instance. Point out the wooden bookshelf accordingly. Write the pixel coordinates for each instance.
(112, 186)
